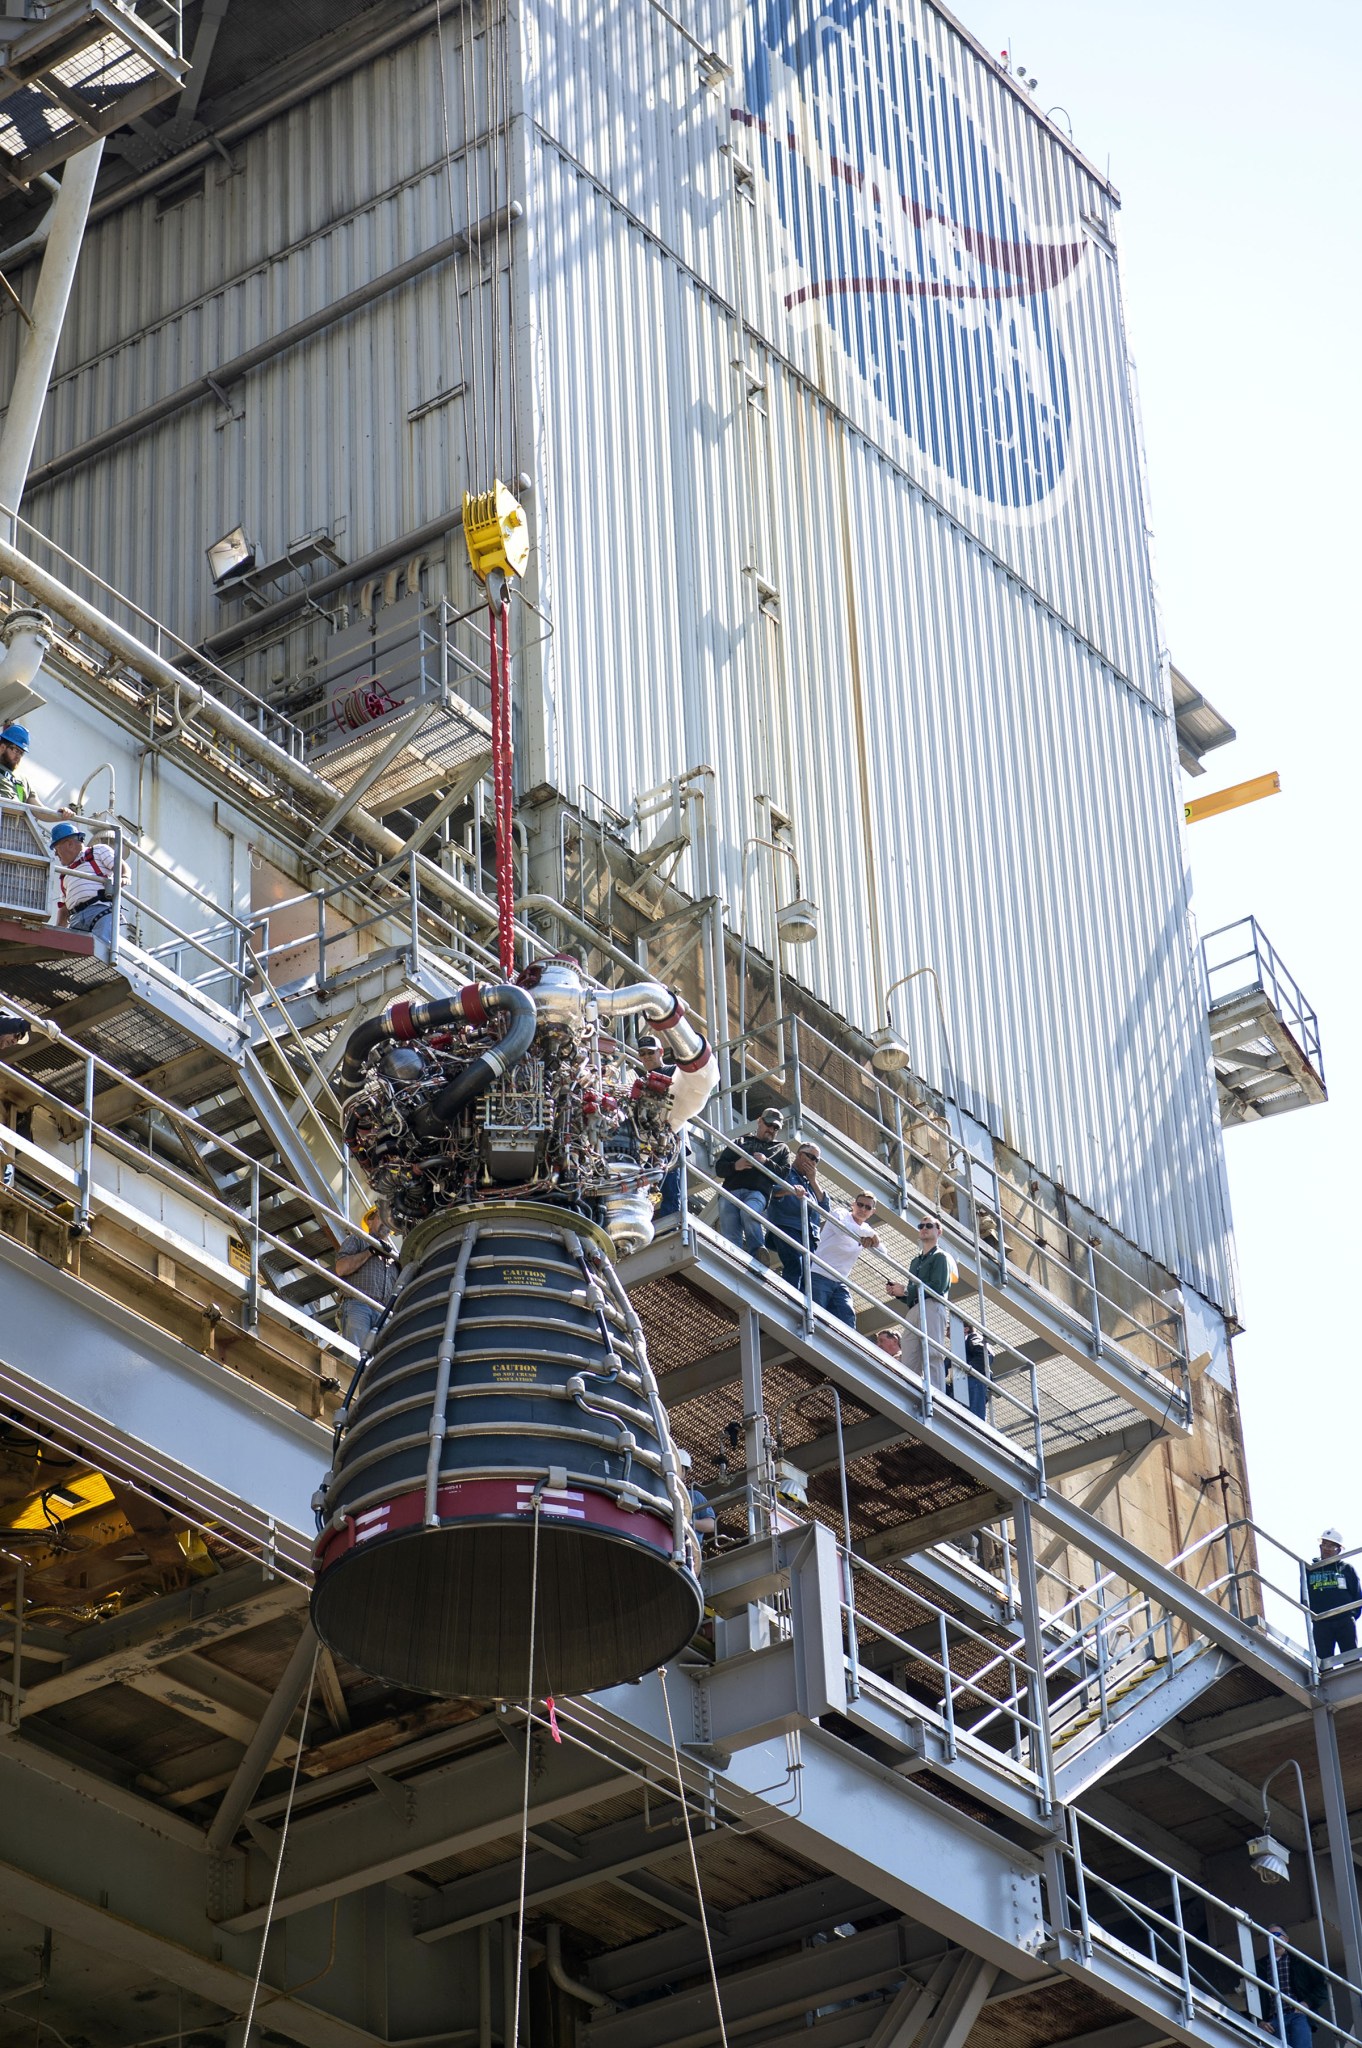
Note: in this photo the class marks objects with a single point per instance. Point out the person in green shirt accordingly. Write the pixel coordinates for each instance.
(925, 1295)
(13, 747)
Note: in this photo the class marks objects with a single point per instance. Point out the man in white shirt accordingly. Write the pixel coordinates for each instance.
(86, 882)
(846, 1233)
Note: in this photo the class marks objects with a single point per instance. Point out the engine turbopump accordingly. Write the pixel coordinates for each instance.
(504, 1092)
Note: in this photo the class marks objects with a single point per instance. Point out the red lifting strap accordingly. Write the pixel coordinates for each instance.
(503, 786)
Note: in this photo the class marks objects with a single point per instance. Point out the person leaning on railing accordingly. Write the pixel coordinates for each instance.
(846, 1233)
(803, 1192)
(925, 1348)
(744, 1169)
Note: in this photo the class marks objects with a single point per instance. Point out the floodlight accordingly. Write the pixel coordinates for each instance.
(233, 555)
(888, 1053)
(1271, 1861)
(797, 922)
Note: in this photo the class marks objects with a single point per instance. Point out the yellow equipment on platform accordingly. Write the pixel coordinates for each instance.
(495, 532)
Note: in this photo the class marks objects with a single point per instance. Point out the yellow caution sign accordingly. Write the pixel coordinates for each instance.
(1230, 799)
(495, 532)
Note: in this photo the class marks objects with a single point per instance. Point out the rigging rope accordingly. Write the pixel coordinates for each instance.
(694, 1863)
(513, 2039)
(503, 779)
(283, 1844)
(453, 230)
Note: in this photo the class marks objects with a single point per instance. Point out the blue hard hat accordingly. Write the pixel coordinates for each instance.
(65, 831)
(15, 736)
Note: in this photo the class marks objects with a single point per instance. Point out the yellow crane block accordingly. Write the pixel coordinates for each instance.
(1230, 799)
(495, 532)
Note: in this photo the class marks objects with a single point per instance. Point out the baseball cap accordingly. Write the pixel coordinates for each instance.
(773, 1119)
(16, 736)
(650, 1044)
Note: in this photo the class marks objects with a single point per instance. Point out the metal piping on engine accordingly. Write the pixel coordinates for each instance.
(472, 1005)
(697, 1070)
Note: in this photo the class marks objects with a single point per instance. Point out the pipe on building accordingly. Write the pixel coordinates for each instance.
(318, 794)
(214, 382)
(232, 637)
(553, 1956)
(45, 321)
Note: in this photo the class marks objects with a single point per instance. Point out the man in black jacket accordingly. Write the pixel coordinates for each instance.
(787, 1208)
(748, 1170)
(1300, 1983)
(1332, 1589)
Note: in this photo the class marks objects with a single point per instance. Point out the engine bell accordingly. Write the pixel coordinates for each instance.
(507, 1423)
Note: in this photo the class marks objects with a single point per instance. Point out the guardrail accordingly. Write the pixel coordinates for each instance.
(1239, 957)
(828, 1091)
(1103, 1916)
(259, 1183)
(928, 1376)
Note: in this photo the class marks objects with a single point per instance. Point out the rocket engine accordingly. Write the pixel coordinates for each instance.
(504, 1450)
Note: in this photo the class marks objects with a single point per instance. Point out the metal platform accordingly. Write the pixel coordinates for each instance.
(89, 67)
(1264, 1034)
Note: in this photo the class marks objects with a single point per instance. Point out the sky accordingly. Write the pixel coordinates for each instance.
(1232, 133)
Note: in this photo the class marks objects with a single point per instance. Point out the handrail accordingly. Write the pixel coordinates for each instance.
(161, 634)
(893, 1141)
(956, 1686)
(1271, 975)
(255, 1175)
(998, 1388)
(1090, 1932)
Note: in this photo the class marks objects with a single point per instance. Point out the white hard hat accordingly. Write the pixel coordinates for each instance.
(1333, 1536)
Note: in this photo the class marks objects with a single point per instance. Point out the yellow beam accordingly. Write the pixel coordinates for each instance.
(1230, 799)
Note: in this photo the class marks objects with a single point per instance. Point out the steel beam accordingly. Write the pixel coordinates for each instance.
(1140, 1716)
(761, 1995)
(960, 2003)
(861, 1821)
(446, 1811)
(910, 2008)
(1221, 1731)
(120, 1651)
(153, 1394)
(136, 1893)
(265, 1740)
(600, 1857)
(1341, 1857)
(750, 1931)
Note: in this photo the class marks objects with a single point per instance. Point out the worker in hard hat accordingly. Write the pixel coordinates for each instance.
(368, 1259)
(13, 747)
(1335, 1597)
(87, 881)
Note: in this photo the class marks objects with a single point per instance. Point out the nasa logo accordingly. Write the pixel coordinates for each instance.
(903, 232)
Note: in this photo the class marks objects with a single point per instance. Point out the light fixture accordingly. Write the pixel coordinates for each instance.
(232, 556)
(888, 1052)
(1271, 1861)
(797, 922)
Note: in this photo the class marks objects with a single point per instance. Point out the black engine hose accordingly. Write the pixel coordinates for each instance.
(472, 1005)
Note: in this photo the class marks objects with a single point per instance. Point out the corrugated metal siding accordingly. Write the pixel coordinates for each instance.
(341, 189)
(908, 206)
(957, 699)
(959, 703)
